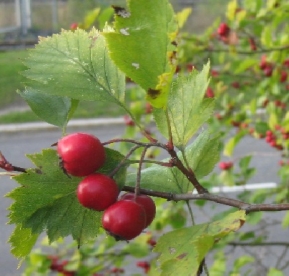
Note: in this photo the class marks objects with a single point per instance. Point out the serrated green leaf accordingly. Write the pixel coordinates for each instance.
(22, 241)
(183, 250)
(141, 46)
(202, 155)
(47, 201)
(75, 65)
(187, 110)
(52, 109)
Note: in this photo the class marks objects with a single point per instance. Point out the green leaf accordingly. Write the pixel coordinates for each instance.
(141, 45)
(232, 143)
(187, 109)
(75, 65)
(244, 65)
(54, 110)
(285, 221)
(47, 201)
(183, 16)
(231, 9)
(182, 251)
(273, 120)
(22, 241)
(201, 155)
(242, 261)
(275, 272)
(90, 18)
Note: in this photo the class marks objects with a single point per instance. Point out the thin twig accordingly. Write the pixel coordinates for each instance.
(138, 177)
(249, 208)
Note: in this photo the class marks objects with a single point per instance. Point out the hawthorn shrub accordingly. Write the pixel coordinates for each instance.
(230, 81)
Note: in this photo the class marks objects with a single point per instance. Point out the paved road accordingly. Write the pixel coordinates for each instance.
(15, 145)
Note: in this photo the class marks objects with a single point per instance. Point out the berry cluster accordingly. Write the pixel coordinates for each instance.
(58, 265)
(274, 138)
(81, 155)
(268, 67)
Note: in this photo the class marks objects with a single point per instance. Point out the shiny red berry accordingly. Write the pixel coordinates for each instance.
(81, 153)
(124, 220)
(97, 191)
(147, 203)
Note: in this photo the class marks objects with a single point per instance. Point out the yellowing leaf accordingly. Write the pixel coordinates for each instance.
(182, 251)
(231, 10)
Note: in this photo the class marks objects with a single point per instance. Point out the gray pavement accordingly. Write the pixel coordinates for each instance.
(15, 144)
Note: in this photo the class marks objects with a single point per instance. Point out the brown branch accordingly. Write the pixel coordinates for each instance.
(249, 208)
(187, 172)
(286, 244)
(5, 165)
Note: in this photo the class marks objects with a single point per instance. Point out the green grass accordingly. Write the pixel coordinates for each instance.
(11, 79)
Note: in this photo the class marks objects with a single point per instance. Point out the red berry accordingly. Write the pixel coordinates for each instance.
(225, 165)
(236, 84)
(54, 262)
(128, 121)
(148, 108)
(210, 93)
(73, 26)
(263, 62)
(268, 70)
(283, 76)
(286, 63)
(124, 220)
(252, 44)
(190, 67)
(223, 30)
(146, 202)
(144, 265)
(81, 153)
(152, 242)
(97, 191)
(214, 73)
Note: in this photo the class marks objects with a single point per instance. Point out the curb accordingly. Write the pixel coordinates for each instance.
(72, 123)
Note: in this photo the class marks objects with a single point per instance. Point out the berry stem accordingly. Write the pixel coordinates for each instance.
(5, 165)
(187, 172)
(138, 177)
(122, 162)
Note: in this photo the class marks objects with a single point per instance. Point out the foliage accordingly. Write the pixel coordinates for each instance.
(191, 112)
